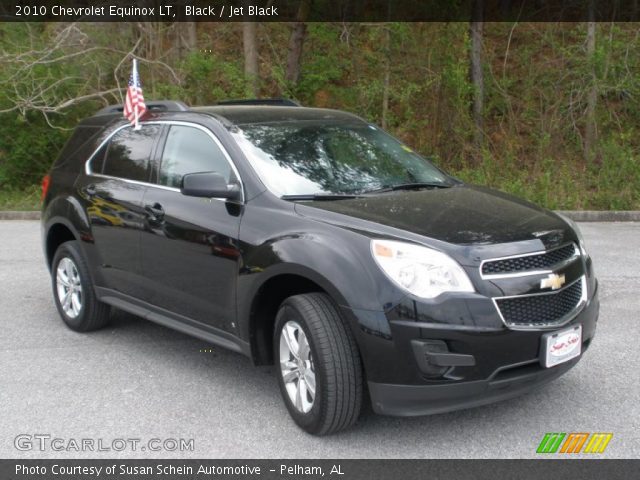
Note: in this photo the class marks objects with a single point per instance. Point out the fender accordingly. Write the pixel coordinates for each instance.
(60, 220)
(247, 328)
(286, 269)
(347, 275)
(45, 230)
(79, 216)
(67, 211)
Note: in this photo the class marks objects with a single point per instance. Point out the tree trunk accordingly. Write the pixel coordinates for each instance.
(477, 77)
(592, 95)
(187, 38)
(387, 76)
(251, 68)
(386, 81)
(296, 42)
(190, 35)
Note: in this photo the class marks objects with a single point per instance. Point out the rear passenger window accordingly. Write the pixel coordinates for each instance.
(190, 150)
(129, 151)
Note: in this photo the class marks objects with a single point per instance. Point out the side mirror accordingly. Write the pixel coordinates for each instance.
(209, 185)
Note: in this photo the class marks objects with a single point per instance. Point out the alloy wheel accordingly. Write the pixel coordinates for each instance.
(69, 287)
(296, 366)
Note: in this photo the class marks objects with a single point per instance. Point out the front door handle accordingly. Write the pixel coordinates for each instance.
(155, 210)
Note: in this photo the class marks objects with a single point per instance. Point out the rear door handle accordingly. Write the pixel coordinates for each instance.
(155, 210)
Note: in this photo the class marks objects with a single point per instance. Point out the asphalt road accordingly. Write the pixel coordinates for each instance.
(137, 380)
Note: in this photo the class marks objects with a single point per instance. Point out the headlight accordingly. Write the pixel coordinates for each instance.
(421, 271)
(576, 229)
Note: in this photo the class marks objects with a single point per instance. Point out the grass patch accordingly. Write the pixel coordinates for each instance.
(27, 199)
(612, 185)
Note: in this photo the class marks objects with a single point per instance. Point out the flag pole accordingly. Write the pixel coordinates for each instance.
(135, 79)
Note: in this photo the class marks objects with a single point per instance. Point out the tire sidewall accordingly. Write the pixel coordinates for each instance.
(311, 420)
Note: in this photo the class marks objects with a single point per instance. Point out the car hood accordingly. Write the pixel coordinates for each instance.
(463, 215)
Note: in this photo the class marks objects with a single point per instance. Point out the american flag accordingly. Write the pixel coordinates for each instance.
(134, 107)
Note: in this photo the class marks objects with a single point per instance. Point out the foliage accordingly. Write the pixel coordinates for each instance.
(27, 147)
(537, 79)
(27, 199)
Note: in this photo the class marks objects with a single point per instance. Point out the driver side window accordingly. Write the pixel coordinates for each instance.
(190, 150)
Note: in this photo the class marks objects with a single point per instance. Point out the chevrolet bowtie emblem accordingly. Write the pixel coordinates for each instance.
(553, 281)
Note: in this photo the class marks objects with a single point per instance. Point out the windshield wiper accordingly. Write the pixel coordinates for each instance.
(346, 196)
(409, 186)
(321, 196)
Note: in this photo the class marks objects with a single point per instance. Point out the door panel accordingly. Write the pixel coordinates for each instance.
(189, 253)
(113, 193)
(190, 256)
(115, 211)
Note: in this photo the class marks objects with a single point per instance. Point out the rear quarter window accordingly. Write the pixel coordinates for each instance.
(127, 154)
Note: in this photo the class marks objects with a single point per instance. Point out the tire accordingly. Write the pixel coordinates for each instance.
(82, 311)
(333, 363)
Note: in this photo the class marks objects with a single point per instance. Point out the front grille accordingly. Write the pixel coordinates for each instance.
(538, 310)
(529, 262)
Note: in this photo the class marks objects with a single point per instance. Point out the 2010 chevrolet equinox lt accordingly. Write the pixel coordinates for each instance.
(311, 239)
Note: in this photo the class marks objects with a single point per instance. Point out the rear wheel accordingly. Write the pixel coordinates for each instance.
(73, 291)
(320, 373)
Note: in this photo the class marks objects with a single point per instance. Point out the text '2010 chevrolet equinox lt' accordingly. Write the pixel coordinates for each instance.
(313, 240)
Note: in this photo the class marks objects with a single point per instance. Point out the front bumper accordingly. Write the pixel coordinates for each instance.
(505, 362)
(411, 400)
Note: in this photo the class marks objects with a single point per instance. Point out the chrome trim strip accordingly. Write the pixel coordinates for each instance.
(136, 182)
(549, 292)
(547, 325)
(89, 172)
(561, 264)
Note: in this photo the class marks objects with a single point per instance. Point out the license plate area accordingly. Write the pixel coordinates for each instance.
(561, 346)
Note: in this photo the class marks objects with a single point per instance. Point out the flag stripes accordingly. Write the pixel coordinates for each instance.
(134, 106)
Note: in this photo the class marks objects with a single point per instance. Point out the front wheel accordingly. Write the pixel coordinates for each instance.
(320, 373)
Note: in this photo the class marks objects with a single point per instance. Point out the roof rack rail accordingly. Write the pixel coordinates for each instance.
(153, 106)
(276, 102)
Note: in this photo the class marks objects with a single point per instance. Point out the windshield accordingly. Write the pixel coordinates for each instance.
(315, 158)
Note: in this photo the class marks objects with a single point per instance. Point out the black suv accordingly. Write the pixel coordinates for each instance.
(312, 239)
